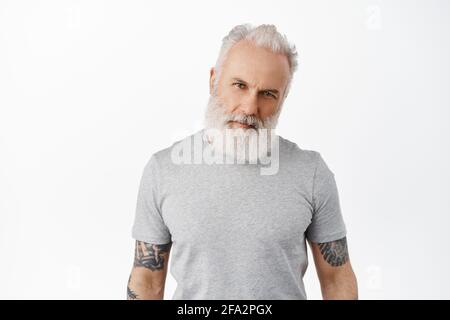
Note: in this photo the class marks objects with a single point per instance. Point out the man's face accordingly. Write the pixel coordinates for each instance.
(252, 82)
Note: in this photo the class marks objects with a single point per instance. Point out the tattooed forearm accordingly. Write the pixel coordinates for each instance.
(131, 295)
(144, 282)
(335, 252)
(150, 256)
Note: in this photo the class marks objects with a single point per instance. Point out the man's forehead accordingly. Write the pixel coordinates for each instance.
(256, 65)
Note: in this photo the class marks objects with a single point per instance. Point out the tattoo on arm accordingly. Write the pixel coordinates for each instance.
(131, 295)
(335, 252)
(150, 256)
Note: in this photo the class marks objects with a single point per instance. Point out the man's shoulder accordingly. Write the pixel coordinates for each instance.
(164, 155)
(294, 151)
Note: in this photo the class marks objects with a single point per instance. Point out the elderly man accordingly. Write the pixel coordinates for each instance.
(234, 233)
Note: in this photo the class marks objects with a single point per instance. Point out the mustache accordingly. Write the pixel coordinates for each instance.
(250, 120)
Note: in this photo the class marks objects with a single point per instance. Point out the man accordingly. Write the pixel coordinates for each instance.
(234, 233)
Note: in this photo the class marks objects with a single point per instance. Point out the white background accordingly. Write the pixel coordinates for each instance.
(90, 89)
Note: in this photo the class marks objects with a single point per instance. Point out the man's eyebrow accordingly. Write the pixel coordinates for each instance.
(239, 80)
(271, 90)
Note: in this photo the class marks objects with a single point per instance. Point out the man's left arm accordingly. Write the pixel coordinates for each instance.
(336, 276)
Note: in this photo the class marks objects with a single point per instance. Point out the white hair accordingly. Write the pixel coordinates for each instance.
(265, 35)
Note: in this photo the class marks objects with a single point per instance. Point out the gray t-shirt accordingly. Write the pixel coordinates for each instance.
(237, 234)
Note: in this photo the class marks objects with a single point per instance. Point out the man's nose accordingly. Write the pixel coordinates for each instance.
(250, 104)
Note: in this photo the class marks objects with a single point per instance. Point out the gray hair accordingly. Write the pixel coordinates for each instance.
(265, 35)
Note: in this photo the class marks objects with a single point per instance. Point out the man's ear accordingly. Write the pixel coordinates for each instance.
(212, 77)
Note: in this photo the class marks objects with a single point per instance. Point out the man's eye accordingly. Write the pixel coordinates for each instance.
(269, 94)
(239, 85)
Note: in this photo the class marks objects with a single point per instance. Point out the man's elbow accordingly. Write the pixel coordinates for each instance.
(340, 286)
(145, 287)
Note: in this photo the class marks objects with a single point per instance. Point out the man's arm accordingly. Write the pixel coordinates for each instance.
(336, 276)
(148, 276)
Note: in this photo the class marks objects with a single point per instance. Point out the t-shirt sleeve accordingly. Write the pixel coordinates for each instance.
(148, 223)
(327, 223)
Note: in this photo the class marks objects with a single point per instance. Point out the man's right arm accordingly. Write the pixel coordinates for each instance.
(148, 276)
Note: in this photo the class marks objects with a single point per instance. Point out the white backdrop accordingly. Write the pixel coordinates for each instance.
(90, 89)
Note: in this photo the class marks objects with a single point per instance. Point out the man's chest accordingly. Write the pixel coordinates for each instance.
(235, 207)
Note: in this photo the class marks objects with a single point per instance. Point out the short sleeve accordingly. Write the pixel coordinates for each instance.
(327, 223)
(148, 223)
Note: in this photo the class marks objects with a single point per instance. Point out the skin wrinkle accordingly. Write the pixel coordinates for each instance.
(240, 94)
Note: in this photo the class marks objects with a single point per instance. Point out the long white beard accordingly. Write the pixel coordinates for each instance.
(242, 145)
